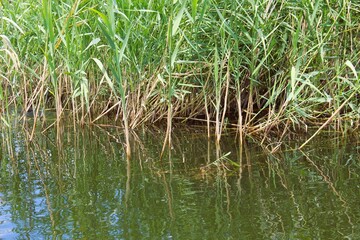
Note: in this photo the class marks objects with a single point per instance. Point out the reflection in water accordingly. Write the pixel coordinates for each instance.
(84, 187)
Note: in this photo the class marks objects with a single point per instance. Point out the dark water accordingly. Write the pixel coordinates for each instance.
(68, 185)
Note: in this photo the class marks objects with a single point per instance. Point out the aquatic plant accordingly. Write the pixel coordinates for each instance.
(256, 66)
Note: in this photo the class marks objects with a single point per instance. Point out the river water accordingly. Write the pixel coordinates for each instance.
(80, 185)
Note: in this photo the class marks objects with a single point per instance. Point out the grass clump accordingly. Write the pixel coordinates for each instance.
(256, 65)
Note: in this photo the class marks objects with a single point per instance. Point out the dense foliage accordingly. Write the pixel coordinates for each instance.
(256, 64)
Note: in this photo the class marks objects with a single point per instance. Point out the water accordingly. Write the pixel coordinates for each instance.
(80, 185)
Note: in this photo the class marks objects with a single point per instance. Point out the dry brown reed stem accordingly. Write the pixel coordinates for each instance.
(97, 90)
(106, 111)
(58, 107)
(330, 118)
(150, 87)
(127, 140)
(25, 91)
(217, 127)
(75, 112)
(167, 140)
(36, 92)
(249, 109)
(225, 97)
(37, 109)
(206, 106)
(240, 118)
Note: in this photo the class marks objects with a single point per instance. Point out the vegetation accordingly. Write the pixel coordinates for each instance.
(255, 64)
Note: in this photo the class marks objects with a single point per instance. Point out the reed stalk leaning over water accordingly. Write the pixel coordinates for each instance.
(108, 28)
(259, 65)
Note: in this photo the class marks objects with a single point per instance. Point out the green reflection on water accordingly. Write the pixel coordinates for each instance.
(80, 185)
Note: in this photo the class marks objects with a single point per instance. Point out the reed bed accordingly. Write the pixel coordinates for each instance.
(257, 65)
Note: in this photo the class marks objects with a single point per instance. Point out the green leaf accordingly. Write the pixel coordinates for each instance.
(194, 5)
(177, 20)
(122, 50)
(175, 52)
(93, 42)
(13, 23)
(103, 70)
(103, 17)
(351, 66)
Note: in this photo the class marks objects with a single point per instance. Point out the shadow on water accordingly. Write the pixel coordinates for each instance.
(80, 185)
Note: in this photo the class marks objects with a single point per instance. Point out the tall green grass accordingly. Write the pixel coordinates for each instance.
(257, 65)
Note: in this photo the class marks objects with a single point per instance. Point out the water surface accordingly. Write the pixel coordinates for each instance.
(71, 185)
